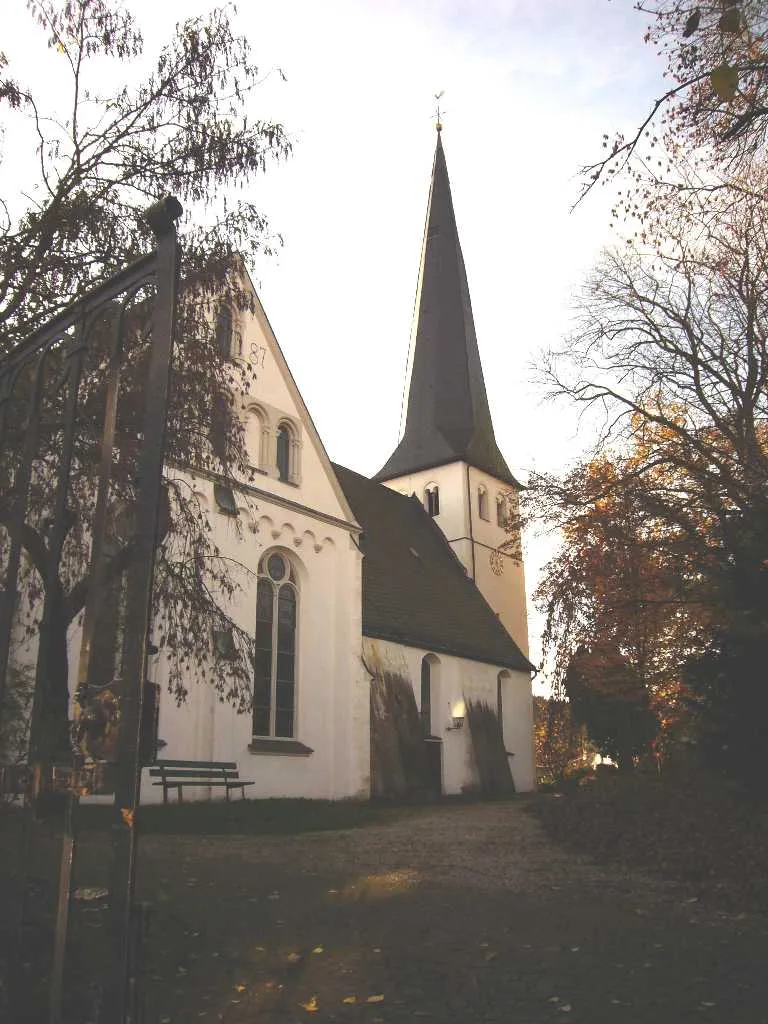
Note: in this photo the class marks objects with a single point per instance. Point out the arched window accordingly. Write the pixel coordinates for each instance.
(284, 452)
(432, 500)
(426, 697)
(237, 340)
(229, 333)
(274, 684)
(482, 502)
(501, 511)
(430, 694)
(224, 328)
(257, 438)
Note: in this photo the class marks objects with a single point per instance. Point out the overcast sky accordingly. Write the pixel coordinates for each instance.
(529, 88)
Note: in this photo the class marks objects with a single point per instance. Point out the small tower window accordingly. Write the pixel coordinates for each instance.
(482, 502)
(432, 500)
(501, 511)
(283, 453)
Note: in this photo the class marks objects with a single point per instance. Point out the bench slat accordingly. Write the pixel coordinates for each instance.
(195, 764)
(236, 784)
(183, 773)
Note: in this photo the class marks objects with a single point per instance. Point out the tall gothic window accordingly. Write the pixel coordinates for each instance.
(274, 684)
(482, 502)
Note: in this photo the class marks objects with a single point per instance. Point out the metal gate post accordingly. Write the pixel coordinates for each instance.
(117, 1005)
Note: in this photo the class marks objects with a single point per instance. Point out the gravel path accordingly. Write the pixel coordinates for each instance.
(490, 847)
(461, 913)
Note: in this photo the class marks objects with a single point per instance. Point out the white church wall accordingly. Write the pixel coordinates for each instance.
(500, 577)
(331, 688)
(309, 521)
(517, 723)
(351, 740)
(458, 680)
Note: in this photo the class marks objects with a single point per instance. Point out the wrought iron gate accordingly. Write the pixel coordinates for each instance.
(83, 406)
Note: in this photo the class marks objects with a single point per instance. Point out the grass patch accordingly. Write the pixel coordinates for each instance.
(250, 817)
(275, 817)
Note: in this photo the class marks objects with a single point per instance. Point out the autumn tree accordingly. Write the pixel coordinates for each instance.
(561, 743)
(671, 350)
(622, 590)
(608, 697)
(185, 127)
(711, 118)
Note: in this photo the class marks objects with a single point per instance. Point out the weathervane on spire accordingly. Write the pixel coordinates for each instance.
(438, 121)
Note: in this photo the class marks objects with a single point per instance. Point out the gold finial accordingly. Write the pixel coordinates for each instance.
(438, 121)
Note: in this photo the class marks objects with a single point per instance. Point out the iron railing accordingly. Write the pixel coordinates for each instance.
(83, 408)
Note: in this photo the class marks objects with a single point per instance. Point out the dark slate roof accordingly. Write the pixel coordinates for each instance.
(448, 416)
(415, 590)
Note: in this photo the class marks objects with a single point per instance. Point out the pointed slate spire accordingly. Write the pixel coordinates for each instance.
(448, 417)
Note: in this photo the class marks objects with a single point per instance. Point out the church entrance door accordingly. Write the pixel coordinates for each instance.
(433, 748)
(433, 745)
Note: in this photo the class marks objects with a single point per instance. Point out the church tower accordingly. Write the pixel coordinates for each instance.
(448, 454)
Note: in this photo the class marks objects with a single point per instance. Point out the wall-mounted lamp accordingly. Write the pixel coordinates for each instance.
(458, 714)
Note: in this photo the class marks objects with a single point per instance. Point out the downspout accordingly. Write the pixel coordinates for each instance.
(471, 538)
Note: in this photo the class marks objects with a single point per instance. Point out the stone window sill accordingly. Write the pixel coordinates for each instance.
(287, 748)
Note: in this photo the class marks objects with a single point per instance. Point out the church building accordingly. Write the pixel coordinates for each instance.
(371, 600)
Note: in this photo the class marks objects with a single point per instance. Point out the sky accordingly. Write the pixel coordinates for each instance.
(529, 88)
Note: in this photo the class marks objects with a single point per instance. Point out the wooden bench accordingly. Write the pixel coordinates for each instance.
(177, 774)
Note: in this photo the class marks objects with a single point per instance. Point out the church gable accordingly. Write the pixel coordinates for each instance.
(286, 455)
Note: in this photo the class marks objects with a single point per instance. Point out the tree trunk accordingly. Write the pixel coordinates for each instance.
(625, 759)
(50, 730)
